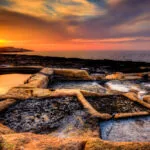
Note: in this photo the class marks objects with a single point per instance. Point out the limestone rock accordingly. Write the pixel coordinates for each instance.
(19, 93)
(29, 141)
(6, 103)
(73, 74)
(98, 144)
(115, 76)
(41, 93)
(146, 99)
(5, 130)
(41, 79)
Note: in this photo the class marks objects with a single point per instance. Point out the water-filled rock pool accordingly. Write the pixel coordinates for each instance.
(8, 81)
(81, 85)
(133, 129)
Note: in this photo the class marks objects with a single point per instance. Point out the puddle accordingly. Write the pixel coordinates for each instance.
(11, 80)
(89, 86)
(133, 129)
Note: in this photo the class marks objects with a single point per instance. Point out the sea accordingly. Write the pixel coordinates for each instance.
(142, 56)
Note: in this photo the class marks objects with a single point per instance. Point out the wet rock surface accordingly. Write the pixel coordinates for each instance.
(135, 129)
(40, 116)
(115, 104)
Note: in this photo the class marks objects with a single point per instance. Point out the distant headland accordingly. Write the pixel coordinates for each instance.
(13, 49)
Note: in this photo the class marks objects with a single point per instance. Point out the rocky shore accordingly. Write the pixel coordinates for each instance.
(92, 66)
(75, 104)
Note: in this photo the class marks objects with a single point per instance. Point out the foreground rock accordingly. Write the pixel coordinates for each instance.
(28, 141)
(63, 112)
(97, 144)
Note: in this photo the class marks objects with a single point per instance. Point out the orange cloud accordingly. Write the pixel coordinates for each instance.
(55, 9)
(112, 40)
(75, 24)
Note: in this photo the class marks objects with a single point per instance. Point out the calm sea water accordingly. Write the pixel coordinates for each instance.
(112, 55)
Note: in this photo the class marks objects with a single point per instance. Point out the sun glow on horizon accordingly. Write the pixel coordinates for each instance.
(3, 42)
(45, 25)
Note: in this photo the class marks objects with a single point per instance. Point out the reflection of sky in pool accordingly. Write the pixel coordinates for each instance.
(133, 129)
(11, 80)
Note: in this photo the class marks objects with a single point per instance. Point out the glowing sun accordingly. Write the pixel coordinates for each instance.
(3, 42)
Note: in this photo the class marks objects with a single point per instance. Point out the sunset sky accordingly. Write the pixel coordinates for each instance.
(75, 24)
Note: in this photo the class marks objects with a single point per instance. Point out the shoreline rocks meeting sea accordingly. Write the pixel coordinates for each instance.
(75, 104)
